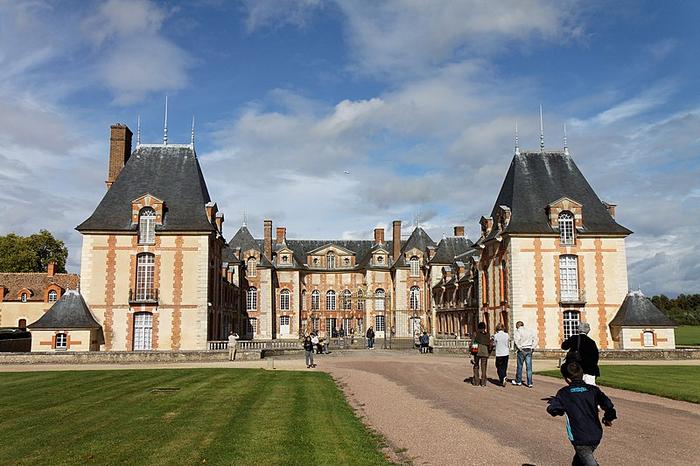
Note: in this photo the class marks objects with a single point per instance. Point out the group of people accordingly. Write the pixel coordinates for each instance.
(425, 343)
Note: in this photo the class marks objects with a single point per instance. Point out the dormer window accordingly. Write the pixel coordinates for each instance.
(415, 266)
(380, 260)
(330, 260)
(566, 227)
(285, 259)
(147, 226)
(346, 262)
(23, 297)
(252, 267)
(53, 296)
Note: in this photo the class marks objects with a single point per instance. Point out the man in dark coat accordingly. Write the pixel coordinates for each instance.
(582, 349)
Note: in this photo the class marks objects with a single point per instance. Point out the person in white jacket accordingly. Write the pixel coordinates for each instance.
(232, 346)
(501, 340)
(525, 341)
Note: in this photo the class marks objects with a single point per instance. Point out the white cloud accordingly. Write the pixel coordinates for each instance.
(276, 13)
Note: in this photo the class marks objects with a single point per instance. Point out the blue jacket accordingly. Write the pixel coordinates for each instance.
(579, 402)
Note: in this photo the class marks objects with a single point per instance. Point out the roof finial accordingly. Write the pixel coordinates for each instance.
(566, 145)
(138, 131)
(245, 218)
(192, 138)
(165, 126)
(517, 146)
(541, 131)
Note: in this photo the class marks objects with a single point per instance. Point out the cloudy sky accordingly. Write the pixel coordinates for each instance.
(334, 117)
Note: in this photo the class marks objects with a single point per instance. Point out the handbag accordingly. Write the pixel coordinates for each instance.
(474, 347)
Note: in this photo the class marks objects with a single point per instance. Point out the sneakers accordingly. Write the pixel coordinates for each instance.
(515, 383)
(529, 386)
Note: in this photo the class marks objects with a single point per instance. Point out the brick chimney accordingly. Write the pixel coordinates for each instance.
(379, 236)
(119, 151)
(281, 235)
(51, 268)
(459, 230)
(267, 239)
(396, 239)
(219, 220)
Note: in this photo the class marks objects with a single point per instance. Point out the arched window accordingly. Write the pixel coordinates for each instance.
(649, 338)
(147, 226)
(415, 266)
(145, 271)
(330, 260)
(347, 302)
(566, 227)
(61, 341)
(315, 300)
(284, 299)
(24, 297)
(330, 300)
(360, 300)
(302, 302)
(251, 303)
(568, 278)
(571, 321)
(379, 295)
(143, 330)
(252, 267)
(414, 300)
(53, 296)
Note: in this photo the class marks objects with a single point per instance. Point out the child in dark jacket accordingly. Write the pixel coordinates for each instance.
(579, 402)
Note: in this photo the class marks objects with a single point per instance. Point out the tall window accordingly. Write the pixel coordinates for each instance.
(251, 303)
(252, 267)
(315, 300)
(252, 326)
(330, 260)
(315, 324)
(143, 330)
(145, 269)
(284, 299)
(648, 338)
(379, 323)
(331, 325)
(568, 277)
(61, 341)
(566, 228)
(414, 300)
(330, 300)
(379, 299)
(415, 266)
(285, 329)
(360, 300)
(571, 321)
(347, 302)
(147, 226)
(302, 302)
(53, 296)
(23, 298)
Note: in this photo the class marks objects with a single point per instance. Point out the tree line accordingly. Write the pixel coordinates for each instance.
(32, 253)
(683, 310)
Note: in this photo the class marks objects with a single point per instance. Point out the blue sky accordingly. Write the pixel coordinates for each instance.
(416, 100)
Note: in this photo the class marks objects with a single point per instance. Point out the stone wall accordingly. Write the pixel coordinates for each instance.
(124, 357)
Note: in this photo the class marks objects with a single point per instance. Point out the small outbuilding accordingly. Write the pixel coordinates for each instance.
(639, 324)
(67, 326)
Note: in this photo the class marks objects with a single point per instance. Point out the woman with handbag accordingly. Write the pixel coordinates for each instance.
(483, 346)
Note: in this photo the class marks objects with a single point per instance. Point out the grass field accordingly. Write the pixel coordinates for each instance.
(677, 382)
(688, 335)
(210, 416)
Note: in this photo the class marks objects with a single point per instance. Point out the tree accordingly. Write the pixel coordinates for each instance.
(32, 253)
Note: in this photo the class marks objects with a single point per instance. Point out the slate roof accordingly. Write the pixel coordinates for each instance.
(419, 239)
(170, 173)
(450, 247)
(36, 282)
(68, 312)
(536, 179)
(638, 311)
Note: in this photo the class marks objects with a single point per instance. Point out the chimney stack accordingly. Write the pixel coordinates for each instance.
(51, 268)
(267, 239)
(219, 220)
(379, 236)
(396, 239)
(119, 151)
(459, 230)
(281, 235)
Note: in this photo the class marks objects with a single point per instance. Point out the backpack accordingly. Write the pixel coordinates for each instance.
(474, 347)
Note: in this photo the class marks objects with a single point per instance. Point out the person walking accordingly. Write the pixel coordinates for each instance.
(579, 402)
(582, 349)
(481, 358)
(502, 342)
(370, 338)
(431, 343)
(424, 343)
(309, 351)
(232, 345)
(525, 342)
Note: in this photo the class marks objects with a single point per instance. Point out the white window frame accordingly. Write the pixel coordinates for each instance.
(331, 325)
(347, 302)
(414, 298)
(360, 300)
(145, 277)
(568, 277)
(23, 297)
(285, 324)
(379, 296)
(252, 267)
(285, 299)
(61, 341)
(53, 296)
(315, 300)
(571, 319)
(251, 303)
(315, 324)
(648, 343)
(347, 324)
(147, 226)
(414, 262)
(143, 331)
(330, 260)
(566, 228)
(330, 300)
(252, 324)
(379, 323)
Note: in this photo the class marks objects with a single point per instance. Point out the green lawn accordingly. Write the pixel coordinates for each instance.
(216, 416)
(677, 382)
(688, 335)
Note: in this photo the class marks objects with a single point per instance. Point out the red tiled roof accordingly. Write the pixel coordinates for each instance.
(36, 282)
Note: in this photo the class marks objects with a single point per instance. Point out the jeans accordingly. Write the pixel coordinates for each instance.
(584, 455)
(526, 357)
(309, 357)
(370, 343)
(501, 367)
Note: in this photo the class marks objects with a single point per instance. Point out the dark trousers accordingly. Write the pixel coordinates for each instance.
(502, 367)
(480, 362)
(584, 455)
